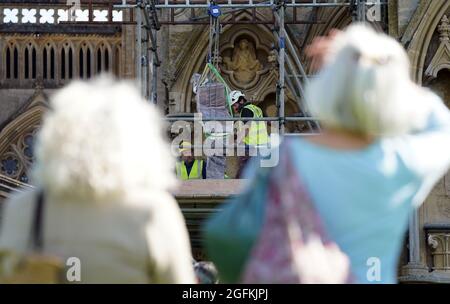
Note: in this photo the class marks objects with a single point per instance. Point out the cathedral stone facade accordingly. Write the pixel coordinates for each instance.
(46, 44)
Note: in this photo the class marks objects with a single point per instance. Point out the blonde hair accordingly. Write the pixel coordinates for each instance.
(101, 141)
(365, 86)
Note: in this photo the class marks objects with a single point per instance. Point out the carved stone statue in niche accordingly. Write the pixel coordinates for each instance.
(244, 63)
(447, 186)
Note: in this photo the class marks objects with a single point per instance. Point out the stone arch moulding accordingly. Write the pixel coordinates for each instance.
(441, 59)
(17, 137)
(418, 47)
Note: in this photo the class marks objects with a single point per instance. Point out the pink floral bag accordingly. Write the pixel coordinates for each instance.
(293, 246)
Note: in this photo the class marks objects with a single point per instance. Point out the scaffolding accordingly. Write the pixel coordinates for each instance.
(291, 72)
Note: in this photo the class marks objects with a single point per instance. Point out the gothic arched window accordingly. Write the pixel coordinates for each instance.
(52, 63)
(88, 63)
(117, 61)
(27, 64)
(8, 63)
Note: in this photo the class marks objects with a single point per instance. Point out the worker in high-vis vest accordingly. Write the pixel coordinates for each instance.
(256, 135)
(187, 167)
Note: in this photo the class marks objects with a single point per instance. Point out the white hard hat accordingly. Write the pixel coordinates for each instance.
(235, 95)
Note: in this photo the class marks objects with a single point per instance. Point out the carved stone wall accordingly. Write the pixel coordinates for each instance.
(439, 242)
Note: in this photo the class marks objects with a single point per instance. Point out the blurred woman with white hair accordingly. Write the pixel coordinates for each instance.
(385, 142)
(104, 171)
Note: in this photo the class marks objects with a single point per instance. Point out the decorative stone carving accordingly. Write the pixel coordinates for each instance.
(245, 60)
(440, 251)
(244, 63)
(441, 59)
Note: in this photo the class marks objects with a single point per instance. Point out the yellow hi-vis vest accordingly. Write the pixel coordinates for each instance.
(257, 134)
(196, 170)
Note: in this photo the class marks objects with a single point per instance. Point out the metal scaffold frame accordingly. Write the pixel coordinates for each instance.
(292, 74)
